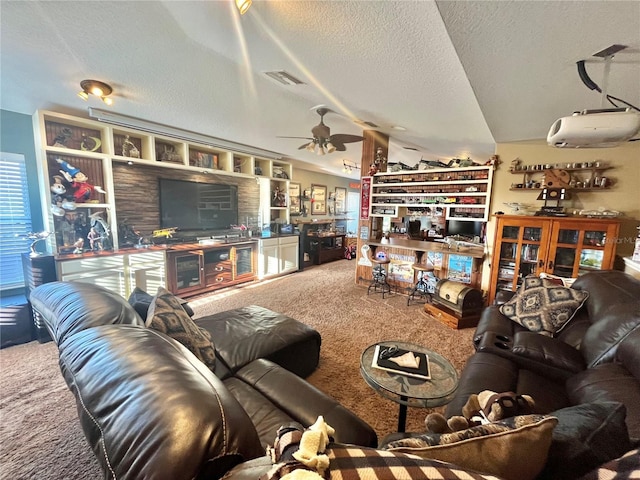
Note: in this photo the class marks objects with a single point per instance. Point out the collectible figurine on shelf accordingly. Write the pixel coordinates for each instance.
(95, 240)
(62, 138)
(128, 236)
(102, 230)
(90, 144)
(82, 189)
(79, 246)
(381, 160)
(279, 199)
(36, 237)
(129, 149)
(59, 201)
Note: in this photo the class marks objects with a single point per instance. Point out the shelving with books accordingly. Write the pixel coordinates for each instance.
(204, 158)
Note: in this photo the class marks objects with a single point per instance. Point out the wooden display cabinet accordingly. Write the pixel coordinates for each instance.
(562, 246)
(198, 270)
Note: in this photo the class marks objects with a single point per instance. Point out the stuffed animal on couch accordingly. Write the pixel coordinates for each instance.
(484, 407)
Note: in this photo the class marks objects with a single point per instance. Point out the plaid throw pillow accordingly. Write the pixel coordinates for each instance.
(349, 462)
(166, 315)
(542, 306)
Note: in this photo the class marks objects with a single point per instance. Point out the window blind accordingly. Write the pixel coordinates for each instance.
(15, 219)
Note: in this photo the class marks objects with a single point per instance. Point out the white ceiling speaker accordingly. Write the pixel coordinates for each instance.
(594, 129)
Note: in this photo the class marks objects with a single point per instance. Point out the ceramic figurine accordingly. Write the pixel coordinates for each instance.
(79, 182)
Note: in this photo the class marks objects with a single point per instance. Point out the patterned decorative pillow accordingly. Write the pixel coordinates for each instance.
(166, 315)
(349, 462)
(543, 306)
(515, 448)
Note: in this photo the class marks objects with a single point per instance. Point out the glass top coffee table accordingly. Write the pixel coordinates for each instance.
(409, 391)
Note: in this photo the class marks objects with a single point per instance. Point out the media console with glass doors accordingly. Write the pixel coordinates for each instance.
(193, 270)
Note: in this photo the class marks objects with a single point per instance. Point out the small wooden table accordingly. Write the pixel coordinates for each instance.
(409, 391)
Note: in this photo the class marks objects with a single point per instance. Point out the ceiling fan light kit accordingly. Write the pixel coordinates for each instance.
(322, 138)
(243, 6)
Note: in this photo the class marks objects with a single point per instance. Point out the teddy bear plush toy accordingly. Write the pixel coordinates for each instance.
(484, 407)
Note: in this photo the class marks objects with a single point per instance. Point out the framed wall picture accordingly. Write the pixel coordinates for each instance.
(341, 201)
(318, 199)
(294, 198)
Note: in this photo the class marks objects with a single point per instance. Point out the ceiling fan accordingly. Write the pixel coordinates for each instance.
(322, 138)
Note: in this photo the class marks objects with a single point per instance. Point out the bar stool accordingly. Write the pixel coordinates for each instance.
(421, 286)
(379, 273)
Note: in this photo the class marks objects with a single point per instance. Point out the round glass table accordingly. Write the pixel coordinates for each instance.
(410, 391)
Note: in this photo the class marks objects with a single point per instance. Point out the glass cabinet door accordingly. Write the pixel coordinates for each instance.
(188, 268)
(244, 261)
(522, 245)
(579, 249)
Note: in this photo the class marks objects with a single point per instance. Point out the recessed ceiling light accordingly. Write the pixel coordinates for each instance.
(398, 127)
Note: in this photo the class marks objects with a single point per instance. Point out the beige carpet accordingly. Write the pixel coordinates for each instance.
(40, 436)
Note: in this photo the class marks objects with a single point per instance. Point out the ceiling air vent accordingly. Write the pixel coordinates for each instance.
(284, 78)
(366, 123)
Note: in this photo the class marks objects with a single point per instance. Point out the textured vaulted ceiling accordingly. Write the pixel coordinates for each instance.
(459, 76)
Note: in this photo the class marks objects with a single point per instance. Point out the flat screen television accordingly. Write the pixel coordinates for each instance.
(466, 228)
(191, 205)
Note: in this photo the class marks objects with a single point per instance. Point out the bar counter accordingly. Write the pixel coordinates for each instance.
(460, 263)
(426, 246)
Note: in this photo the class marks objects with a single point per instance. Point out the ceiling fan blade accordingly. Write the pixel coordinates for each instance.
(304, 145)
(305, 138)
(345, 138)
(340, 147)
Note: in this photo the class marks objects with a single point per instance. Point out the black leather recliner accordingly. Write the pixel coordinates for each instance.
(596, 357)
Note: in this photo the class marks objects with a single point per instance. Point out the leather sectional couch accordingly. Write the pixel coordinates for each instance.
(150, 409)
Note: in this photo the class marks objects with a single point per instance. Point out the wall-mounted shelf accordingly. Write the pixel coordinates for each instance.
(463, 192)
(587, 178)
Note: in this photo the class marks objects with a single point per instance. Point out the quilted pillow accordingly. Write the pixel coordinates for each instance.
(514, 448)
(542, 306)
(166, 315)
(140, 301)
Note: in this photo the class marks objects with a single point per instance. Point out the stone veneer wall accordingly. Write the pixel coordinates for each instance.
(137, 193)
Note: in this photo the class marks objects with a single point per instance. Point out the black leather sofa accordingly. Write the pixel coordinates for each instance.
(150, 409)
(595, 358)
